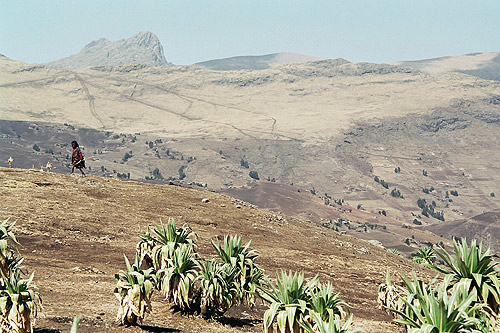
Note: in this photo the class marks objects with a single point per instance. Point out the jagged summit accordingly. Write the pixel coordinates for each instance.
(143, 48)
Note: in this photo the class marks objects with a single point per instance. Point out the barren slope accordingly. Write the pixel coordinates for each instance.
(74, 231)
(329, 126)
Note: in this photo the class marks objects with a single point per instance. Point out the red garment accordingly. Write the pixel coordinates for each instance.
(77, 158)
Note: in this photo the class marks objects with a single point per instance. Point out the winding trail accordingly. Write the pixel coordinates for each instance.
(91, 99)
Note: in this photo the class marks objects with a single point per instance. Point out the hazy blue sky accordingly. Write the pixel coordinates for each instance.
(191, 31)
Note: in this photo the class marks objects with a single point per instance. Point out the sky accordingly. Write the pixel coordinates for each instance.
(193, 31)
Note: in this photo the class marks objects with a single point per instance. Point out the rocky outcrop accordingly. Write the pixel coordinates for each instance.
(143, 48)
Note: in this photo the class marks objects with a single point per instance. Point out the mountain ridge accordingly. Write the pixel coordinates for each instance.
(257, 62)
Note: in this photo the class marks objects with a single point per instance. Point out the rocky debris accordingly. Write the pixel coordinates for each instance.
(143, 48)
(375, 242)
(276, 218)
(205, 200)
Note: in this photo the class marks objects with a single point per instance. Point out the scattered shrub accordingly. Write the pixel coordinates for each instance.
(254, 175)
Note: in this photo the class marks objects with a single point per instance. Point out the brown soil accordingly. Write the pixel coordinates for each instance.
(74, 231)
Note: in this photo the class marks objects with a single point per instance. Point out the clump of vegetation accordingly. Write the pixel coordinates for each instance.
(466, 300)
(254, 175)
(425, 173)
(397, 170)
(454, 193)
(427, 190)
(134, 288)
(381, 182)
(396, 193)
(19, 299)
(244, 163)
(428, 210)
(123, 175)
(182, 174)
(425, 255)
(297, 305)
(212, 286)
(155, 175)
(127, 156)
(492, 194)
(36, 147)
(417, 222)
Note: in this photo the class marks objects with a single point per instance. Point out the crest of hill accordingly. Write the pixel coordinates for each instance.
(257, 62)
(485, 65)
(143, 48)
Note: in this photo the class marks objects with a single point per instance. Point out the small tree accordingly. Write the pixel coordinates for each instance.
(254, 175)
(244, 163)
(182, 174)
(36, 148)
(127, 156)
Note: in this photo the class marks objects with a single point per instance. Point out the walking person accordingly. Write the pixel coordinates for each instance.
(77, 160)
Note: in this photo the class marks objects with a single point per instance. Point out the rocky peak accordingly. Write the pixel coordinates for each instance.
(143, 48)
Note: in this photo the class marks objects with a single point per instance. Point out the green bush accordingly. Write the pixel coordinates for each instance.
(244, 163)
(254, 175)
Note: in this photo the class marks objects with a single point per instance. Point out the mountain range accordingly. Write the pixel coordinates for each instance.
(145, 49)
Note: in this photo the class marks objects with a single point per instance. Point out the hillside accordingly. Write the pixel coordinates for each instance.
(328, 127)
(485, 65)
(143, 49)
(256, 62)
(74, 230)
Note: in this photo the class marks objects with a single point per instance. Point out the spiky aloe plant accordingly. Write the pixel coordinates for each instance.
(472, 264)
(8, 261)
(289, 301)
(19, 303)
(171, 234)
(144, 248)
(388, 296)
(231, 250)
(326, 303)
(434, 310)
(167, 239)
(217, 287)
(425, 255)
(251, 279)
(133, 290)
(333, 325)
(177, 279)
(6, 234)
(395, 251)
(248, 275)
